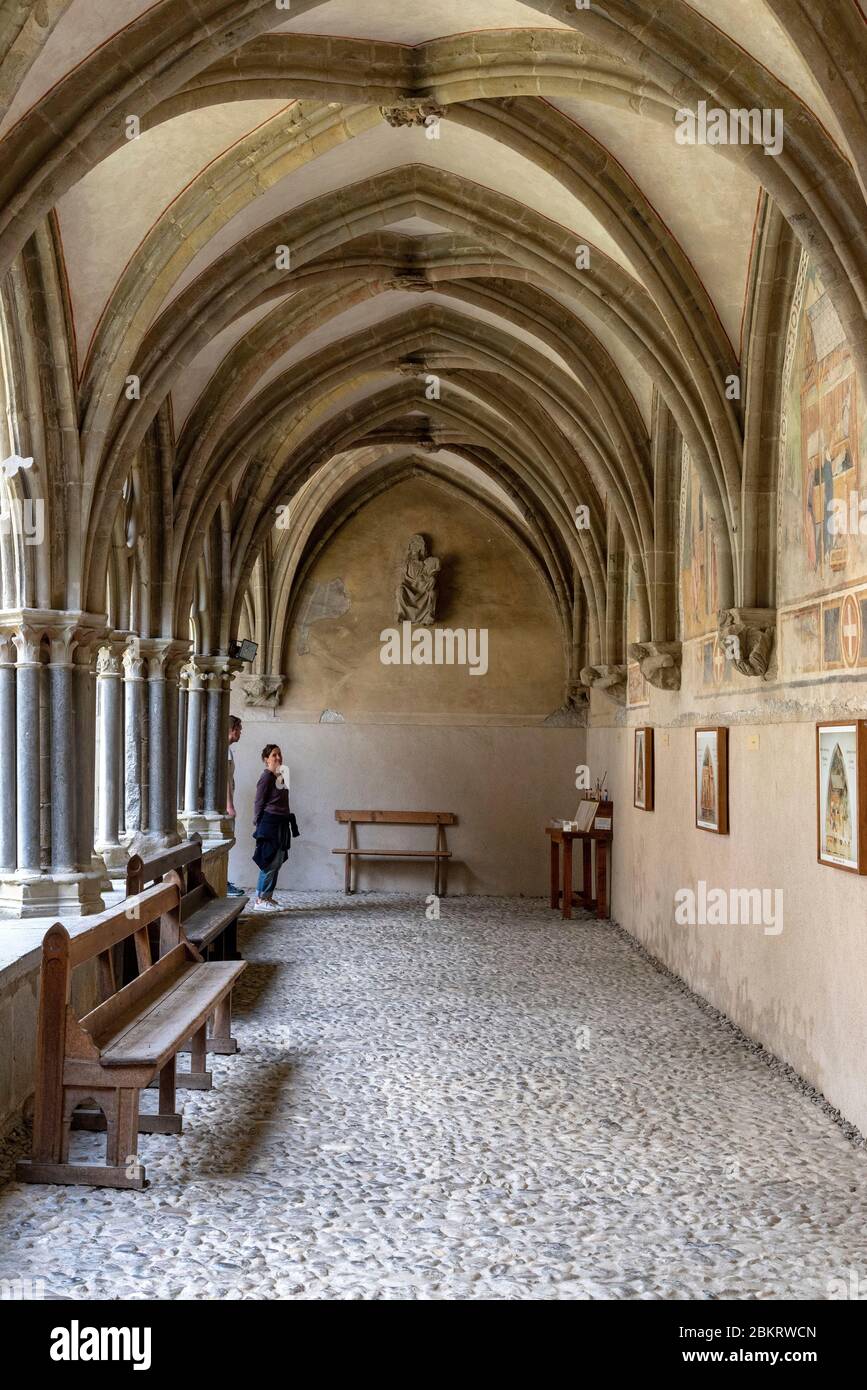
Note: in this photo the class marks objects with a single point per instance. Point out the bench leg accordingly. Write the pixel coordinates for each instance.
(168, 1121)
(230, 942)
(118, 1116)
(198, 1078)
(221, 1040)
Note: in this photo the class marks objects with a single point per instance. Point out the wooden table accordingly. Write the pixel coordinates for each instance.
(565, 895)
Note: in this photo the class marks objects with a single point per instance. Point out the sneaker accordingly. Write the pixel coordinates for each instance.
(233, 891)
(263, 905)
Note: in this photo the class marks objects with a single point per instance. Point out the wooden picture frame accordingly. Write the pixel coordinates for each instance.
(841, 794)
(643, 769)
(711, 780)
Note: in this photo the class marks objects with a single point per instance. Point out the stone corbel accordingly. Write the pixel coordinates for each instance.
(573, 711)
(660, 663)
(408, 280)
(412, 110)
(413, 367)
(611, 680)
(746, 636)
(263, 690)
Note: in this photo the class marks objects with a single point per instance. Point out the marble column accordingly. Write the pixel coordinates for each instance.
(110, 779)
(220, 671)
(135, 791)
(48, 800)
(165, 658)
(195, 716)
(8, 818)
(183, 697)
(28, 672)
(61, 725)
(90, 862)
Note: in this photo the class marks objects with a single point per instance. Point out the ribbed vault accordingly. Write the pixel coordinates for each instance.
(254, 339)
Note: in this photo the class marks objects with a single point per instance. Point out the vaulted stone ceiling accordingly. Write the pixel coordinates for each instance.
(433, 170)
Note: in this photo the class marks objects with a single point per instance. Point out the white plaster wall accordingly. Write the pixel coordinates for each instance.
(802, 993)
(503, 783)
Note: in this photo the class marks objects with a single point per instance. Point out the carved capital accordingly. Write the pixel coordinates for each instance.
(746, 636)
(133, 661)
(263, 690)
(218, 672)
(611, 680)
(62, 643)
(108, 662)
(660, 663)
(28, 644)
(412, 110)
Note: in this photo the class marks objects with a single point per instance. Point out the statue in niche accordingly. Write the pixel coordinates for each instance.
(417, 590)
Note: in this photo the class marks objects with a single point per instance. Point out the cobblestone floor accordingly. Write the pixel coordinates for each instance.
(493, 1105)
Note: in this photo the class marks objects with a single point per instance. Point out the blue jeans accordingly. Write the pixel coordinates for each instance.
(268, 877)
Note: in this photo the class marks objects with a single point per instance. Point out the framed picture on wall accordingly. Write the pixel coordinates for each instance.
(841, 788)
(712, 780)
(642, 770)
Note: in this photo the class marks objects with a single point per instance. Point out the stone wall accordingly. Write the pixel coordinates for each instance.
(800, 991)
(503, 784)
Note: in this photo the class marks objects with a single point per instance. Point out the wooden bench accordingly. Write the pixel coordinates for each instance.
(210, 922)
(440, 854)
(104, 1060)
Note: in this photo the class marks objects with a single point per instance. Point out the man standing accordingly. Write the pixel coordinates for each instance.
(235, 730)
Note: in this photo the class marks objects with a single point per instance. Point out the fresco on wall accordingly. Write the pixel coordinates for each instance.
(698, 559)
(822, 462)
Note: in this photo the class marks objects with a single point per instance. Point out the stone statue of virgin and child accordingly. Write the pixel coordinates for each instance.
(417, 591)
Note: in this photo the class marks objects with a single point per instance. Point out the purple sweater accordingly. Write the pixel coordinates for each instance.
(271, 800)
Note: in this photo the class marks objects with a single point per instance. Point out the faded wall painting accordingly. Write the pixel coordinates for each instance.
(698, 558)
(822, 463)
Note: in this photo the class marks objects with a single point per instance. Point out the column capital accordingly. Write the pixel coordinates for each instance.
(219, 671)
(193, 675)
(27, 641)
(108, 662)
(164, 656)
(66, 629)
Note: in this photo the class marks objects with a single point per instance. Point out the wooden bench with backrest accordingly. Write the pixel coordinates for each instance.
(90, 1071)
(210, 923)
(440, 854)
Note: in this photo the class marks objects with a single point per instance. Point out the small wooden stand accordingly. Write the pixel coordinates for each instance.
(565, 895)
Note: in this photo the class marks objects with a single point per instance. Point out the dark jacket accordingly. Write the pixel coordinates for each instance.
(272, 821)
(270, 798)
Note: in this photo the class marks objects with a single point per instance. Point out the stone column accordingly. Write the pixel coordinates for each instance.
(192, 814)
(28, 642)
(220, 672)
(8, 819)
(91, 866)
(110, 778)
(61, 725)
(165, 658)
(183, 696)
(133, 739)
(47, 761)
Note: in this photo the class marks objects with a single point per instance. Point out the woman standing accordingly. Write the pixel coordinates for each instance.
(272, 826)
